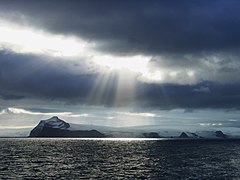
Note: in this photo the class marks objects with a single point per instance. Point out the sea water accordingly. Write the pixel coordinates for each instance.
(58, 158)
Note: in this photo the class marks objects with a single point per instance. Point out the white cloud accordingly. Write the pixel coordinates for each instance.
(28, 40)
(79, 115)
(132, 63)
(23, 111)
(13, 110)
(210, 124)
(169, 75)
(110, 117)
(232, 120)
(145, 114)
(202, 89)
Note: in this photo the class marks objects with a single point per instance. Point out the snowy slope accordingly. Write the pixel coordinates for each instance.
(53, 122)
(131, 132)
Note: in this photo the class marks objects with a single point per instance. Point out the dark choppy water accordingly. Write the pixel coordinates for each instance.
(114, 159)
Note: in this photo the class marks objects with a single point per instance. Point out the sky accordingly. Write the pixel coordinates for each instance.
(120, 63)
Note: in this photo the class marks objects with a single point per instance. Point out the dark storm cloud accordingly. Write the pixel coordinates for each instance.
(10, 96)
(146, 27)
(25, 76)
(171, 96)
(39, 77)
(221, 67)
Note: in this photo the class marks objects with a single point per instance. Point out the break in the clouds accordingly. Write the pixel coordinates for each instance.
(183, 42)
(161, 54)
(33, 77)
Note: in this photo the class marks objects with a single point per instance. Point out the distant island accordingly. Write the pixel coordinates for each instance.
(55, 127)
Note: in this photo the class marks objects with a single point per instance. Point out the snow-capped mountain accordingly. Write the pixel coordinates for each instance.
(55, 127)
(53, 122)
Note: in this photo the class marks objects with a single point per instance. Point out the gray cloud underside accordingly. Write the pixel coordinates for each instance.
(50, 82)
(179, 35)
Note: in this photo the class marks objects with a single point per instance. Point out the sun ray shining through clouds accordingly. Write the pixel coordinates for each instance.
(114, 89)
(126, 88)
(103, 89)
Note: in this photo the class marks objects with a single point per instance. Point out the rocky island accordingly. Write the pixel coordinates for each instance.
(55, 127)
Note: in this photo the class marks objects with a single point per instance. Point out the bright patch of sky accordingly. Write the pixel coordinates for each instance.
(29, 40)
(121, 117)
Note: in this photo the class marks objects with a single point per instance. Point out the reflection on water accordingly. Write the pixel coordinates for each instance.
(118, 159)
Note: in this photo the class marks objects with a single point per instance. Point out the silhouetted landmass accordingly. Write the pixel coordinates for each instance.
(183, 135)
(54, 132)
(47, 123)
(195, 135)
(55, 127)
(220, 134)
(151, 135)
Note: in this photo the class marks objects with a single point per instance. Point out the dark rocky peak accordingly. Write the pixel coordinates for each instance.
(53, 122)
(151, 135)
(220, 134)
(55, 127)
(183, 135)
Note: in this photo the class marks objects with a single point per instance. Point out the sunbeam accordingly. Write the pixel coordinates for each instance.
(113, 89)
(104, 89)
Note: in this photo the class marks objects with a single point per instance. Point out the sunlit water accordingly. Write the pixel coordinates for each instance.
(119, 159)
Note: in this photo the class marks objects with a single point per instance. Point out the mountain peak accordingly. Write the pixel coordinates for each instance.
(53, 122)
(220, 134)
(183, 135)
(55, 127)
(54, 117)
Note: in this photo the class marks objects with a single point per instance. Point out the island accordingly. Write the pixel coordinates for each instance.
(56, 127)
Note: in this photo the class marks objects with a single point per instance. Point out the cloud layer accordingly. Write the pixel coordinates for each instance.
(54, 81)
(189, 53)
(138, 26)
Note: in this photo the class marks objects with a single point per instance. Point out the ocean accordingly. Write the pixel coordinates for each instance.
(59, 158)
